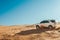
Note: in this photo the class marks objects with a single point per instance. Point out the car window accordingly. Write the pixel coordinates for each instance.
(53, 21)
(44, 22)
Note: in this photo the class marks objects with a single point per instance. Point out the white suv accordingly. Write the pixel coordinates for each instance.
(46, 23)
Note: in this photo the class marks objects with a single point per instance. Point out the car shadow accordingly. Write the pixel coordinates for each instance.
(33, 31)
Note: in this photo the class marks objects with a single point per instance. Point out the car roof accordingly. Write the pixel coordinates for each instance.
(48, 20)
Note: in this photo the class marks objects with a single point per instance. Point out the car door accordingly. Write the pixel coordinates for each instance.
(45, 23)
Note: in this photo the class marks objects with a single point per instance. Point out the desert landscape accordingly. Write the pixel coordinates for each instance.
(28, 32)
(29, 19)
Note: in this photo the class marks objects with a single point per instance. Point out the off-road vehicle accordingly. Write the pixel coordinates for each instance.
(46, 23)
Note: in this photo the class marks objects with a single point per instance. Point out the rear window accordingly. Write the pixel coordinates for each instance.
(44, 22)
(53, 21)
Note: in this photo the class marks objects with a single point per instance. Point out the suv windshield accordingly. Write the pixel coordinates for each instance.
(44, 22)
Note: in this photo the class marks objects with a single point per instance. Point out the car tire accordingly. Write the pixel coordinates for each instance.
(37, 27)
(50, 27)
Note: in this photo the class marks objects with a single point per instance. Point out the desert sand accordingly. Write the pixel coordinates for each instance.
(28, 32)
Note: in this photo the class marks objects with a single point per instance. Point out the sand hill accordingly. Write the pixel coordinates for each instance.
(28, 32)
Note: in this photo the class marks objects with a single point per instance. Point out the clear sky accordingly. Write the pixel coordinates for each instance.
(16, 12)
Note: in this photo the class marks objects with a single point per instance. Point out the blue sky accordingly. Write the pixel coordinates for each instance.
(17, 12)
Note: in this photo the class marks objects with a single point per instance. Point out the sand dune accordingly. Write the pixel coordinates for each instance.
(28, 32)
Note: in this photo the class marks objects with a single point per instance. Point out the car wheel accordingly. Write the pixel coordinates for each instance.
(37, 27)
(50, 27)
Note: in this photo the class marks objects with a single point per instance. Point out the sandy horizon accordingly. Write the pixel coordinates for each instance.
(28, 32)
